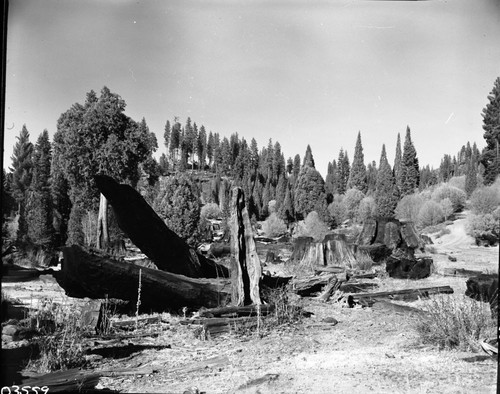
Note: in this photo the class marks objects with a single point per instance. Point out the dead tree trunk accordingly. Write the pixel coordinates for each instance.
(102, 223)
(245, 264)
(150, 233)
(99, 276)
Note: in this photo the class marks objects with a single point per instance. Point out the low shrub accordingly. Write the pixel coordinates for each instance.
(447, 207)
(409, 207)
(210, 211)
(351, 201)
(483, 224)
(311, 226)
(430, 214)
(485, 200)
(337, 210)
(455, 322)
(457, 181)
(456, 196)
(273, 226)
(367, 209)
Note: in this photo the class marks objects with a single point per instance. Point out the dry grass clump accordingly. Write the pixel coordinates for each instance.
(455, 322)
(363, 261)
(60, 338)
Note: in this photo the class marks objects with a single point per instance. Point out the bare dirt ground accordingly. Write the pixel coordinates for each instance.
(369, 350)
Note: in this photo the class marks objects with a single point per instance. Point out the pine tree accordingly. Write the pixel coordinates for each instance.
(471, 175)
(286, 211)
(296, 167)
(357, 175)
(22, 171)
(308, 158)
(329, 180)
(371, 177)
(445, 168)
(490, 157)
(281, 191)
(386, 194)
(343, 170)
(397, 163)
(309, 193)
(410, 173)
(166, 134)
(202, 147)
(39, 206)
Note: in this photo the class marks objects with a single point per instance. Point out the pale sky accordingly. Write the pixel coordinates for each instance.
(299, 72)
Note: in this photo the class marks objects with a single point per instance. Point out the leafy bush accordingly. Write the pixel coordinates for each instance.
(453, 322)
(351, 201)
(210, 211)
(456, 196)
(367, 209)
(484, 224)
(409, 207)
(430, 214)
(311, 226)
(337, 210)
(447, 207)
(271, 206)
(273, 226)
(485, 200)
(458, 182)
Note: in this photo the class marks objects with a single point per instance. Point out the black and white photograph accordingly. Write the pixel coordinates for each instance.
(250, 196)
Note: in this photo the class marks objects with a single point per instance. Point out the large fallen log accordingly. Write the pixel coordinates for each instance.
(97, 276)
(150, 233)
(404, 268)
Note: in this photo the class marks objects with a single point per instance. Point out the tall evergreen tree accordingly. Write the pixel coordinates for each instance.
(329, 180)
(410, 173)
(202, 147)
(371, 177)
(309, 194)
(308, 158)
(296, 167)
(490, 157)
(39, 205)
(357, 175)
(286, 211)
(397, 163)
(386, 194)
(210, 148)
(343, 170)
(471, 175)
(166, 134)
(22, 171)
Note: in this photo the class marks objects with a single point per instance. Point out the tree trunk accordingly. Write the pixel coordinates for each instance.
(150, 233)
(99, 276)
(333, 250)
(102, 224)
(245, 264)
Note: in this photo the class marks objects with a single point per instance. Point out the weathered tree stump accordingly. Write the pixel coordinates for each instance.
(333, 250)
(403, 268)
(484, 288)
(246, 269)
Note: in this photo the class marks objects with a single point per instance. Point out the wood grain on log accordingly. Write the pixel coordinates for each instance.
(99, 276)
(422, 292)
(246, 269)
(150, 233)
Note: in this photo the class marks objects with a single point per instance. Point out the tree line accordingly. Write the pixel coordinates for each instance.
(51, 191)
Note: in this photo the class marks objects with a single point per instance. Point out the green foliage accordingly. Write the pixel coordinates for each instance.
(98, 138)
(471, 174)
(485, 199)
(367, 209)
(39, 201)
(410, 173)
(75, 229)
(398, 163)
(337, 210)
(457, 181)
(22, 165)
(490, 157)
(210, 211)
(273, 226)
(357, 175)
(386, 194)
(430, 214)
(343, 170)
(455, 322)
(351, 202)
(311, 226)
(456, 196)
(447, 207)
(308, 158)
(309, 193)
(488, 224)
(286, 211)
(409, 207)
(178, 205)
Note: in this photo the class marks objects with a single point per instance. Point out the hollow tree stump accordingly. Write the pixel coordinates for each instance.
(246, 269)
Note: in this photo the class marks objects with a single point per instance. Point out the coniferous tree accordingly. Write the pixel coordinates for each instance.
(490, 157)
(281, 191)
(410, 173)
(357, 175)
(296, 167)
(309, 194)
(39, 205)
(166, 134)
(386, 194)
(397, 163)
(202, 147)
(308, 158)
(289, 166)
(210, 148)
(445, 168)
(286, 211)
(343, 170)
(22, 170)
(329, 180)
(471, 175)
(175, 141)
(371, 177)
